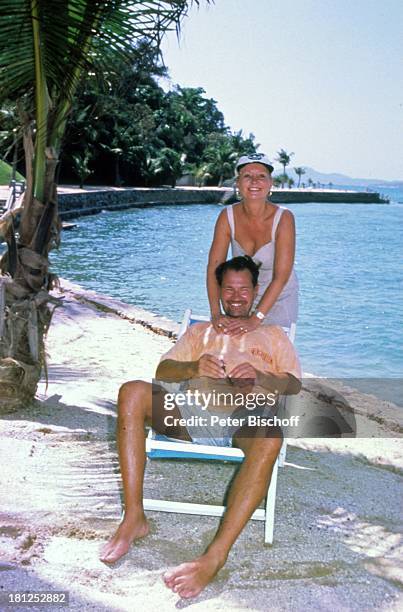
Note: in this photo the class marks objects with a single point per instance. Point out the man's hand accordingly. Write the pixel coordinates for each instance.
(208, 365)
(244, 376)
(241, 325)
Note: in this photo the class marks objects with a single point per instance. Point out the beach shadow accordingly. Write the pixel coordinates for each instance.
(15, 578)
(337, 509)
(61, 373)
(53, 412)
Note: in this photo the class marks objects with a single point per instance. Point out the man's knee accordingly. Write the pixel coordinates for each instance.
(263, 448)
(133, 392)
(133, 387)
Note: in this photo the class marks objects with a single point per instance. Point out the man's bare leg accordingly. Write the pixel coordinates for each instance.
(134, 412)
(246, 493)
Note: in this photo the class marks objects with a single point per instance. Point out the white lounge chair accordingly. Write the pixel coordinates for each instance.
(161, 447)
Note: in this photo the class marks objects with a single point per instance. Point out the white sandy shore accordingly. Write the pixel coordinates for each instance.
(338, 516)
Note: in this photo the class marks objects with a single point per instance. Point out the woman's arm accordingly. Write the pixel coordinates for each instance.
(283, 261)
(218, 254)
(282, 268)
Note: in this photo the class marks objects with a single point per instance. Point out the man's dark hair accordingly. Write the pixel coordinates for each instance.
(238, 264)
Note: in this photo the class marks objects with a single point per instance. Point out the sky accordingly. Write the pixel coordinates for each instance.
(320, 78)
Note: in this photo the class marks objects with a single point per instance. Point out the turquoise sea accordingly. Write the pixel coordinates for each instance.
(349, 263)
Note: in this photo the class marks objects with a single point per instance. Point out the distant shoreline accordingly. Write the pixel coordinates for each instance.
(75, 202)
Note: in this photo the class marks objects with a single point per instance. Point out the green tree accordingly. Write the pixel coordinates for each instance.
(242, 145)
(221, 158)
(299, 172)
(128, 120)
(45, 49)
(284, 159)
(81, 166)
(167, 165)
(186, 121)
(200, 173)
(121, 119)
(281, 179)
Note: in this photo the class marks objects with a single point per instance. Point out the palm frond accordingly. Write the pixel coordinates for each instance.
(75, 36)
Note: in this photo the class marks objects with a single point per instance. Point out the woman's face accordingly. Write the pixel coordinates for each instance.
(254, 181)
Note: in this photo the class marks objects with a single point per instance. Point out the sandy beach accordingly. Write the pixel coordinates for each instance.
(338, 543)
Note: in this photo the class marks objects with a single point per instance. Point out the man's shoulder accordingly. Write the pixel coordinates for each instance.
(200, 326)
(272, 331)
(198, 329)
(275, 336)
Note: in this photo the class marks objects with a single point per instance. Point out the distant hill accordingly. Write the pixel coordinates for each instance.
(340, 179)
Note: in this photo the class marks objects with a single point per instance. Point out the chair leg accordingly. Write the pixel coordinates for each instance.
(270, 506)
(282, 454)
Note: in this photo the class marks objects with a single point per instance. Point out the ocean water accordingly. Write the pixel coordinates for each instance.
(348, 260)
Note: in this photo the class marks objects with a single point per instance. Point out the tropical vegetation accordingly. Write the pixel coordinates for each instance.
(299, 171)
(45, 50)
(6, 173)
(128, 130)
(284, 159)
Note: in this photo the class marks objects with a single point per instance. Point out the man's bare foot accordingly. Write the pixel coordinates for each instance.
(128, 531)
(189, 579)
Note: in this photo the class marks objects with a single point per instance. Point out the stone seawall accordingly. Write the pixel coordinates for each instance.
(76, 202)
(329, 196)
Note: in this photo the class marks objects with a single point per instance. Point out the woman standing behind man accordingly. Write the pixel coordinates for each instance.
(266, 232)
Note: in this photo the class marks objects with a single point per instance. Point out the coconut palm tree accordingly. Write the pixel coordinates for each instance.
(45, 49)
(284, 159)
(221, 158)
(299, 172)
(200, 172)
(167, 165)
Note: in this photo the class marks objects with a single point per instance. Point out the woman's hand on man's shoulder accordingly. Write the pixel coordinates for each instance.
(220, 323)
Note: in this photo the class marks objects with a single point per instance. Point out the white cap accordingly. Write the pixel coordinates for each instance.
(254, 158)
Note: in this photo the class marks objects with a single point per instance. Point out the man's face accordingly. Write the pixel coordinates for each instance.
(237, 293)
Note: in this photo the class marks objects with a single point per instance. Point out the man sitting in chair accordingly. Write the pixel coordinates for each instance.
(263, 360)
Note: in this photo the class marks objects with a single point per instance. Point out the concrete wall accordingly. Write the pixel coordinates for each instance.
(330, 196)
(79, 203)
